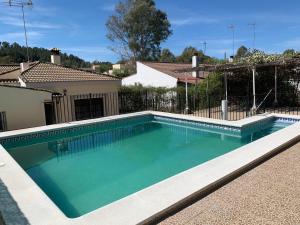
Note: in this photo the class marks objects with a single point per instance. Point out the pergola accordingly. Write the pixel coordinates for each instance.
(230, 68)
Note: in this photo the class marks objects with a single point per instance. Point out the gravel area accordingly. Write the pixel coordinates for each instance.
(10, 213)
(268, 194)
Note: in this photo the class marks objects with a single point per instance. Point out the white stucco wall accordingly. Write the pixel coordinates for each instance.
(148, 76)
(23, 107)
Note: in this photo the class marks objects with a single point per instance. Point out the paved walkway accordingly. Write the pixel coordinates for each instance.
(268, 195)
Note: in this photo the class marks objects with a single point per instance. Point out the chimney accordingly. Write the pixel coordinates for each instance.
(24, 66)
(55, 56)
(195, 64)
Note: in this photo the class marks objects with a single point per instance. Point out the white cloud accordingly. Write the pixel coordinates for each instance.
(13, 21)
(192, 20)
(48, 11)
(88, 49)
(90, 53)
(19, 36)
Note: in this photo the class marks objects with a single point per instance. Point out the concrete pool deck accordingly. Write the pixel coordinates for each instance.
(267, 194)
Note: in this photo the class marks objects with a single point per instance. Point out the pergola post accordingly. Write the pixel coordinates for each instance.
(186, 97)
(275, 88)
(254, 93)
(226, 87)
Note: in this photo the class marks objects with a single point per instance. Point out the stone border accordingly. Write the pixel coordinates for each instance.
(149, 203)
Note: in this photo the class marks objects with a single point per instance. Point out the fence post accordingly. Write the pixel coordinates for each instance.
(90, 100)
(209, 106)
(147, 100)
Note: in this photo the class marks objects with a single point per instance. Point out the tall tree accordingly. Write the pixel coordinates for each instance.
(167, 56)
(137, 28)
(242, 52)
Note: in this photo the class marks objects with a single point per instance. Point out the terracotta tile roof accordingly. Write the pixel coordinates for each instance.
(25, 88)
(48, 72)
(8, 68)
(11, 82)
(172, 69)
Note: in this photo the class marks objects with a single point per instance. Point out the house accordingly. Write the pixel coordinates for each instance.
(22, 107)
(76, 94)
(117, 67)
(168, 75)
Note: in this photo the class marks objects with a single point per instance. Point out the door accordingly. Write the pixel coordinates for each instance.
(88, 108)
(49, 113)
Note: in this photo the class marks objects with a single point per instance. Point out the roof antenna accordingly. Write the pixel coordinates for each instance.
(253, 25)
(204, 47)
(21, 4)
(232, 28)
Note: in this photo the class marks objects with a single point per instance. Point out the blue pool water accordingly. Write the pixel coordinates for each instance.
(84, 169)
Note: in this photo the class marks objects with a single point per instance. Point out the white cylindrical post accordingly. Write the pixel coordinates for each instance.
(226, 91)
(224, 109)
(186, 97)
(254, 93)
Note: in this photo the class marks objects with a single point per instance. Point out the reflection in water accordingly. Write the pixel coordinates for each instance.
(96, 141)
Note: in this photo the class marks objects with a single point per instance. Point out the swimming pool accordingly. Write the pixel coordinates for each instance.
(87, 167)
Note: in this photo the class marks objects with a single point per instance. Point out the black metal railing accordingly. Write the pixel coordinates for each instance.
(199, 104)
(282, 103)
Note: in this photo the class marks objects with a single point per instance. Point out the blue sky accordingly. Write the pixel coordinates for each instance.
(78, 27)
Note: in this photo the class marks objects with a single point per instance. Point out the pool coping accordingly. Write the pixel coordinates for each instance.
(147, 204)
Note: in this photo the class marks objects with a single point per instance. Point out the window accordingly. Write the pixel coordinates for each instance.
(3, 125)
(88, 108)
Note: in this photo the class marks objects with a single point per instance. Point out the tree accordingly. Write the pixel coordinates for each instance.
(215, 87)
(102, 66)
(137, 29)
(289, 52)
(167, 56)
(14, 53)
(188, 53)
(242, 52)
(121, 73)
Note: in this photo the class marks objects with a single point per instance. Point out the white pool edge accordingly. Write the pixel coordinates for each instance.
(38, 208)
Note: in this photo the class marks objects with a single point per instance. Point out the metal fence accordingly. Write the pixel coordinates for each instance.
(282, 103)
(87, 106)
(201, 105)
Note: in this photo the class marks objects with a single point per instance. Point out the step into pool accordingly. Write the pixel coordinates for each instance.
(85, 168)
